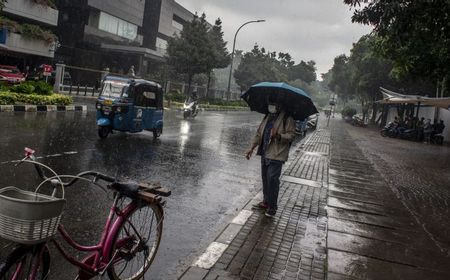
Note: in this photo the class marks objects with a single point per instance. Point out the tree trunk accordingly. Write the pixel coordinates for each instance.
(364, 110)
(208, 84)
(190, 76)
(374, 112)
(384, 115)
(444, 82)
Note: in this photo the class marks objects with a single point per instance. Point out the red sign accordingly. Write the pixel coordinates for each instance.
(48, 69)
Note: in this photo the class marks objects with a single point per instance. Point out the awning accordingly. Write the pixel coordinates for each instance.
(391, 97)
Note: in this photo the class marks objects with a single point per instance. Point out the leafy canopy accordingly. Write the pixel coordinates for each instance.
(198, 49)
(414, 35)
(260, 65)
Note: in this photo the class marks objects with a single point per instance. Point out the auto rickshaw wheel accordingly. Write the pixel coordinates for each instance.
(185, 114)
(103, 131)
(157, 132)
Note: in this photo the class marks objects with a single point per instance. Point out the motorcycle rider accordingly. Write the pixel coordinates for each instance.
(194, 98)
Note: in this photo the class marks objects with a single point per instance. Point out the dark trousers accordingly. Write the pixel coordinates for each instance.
(271, 172)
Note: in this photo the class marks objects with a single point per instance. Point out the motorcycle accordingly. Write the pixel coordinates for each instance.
(407, 134)
(301, 127)
(190, 108)
(358, 121)
(312, 121)
(389, 130)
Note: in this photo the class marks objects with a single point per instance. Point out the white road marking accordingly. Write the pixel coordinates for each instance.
(211, 255)
(242, 217)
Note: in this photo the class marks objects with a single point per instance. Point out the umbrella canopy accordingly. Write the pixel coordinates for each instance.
(293, 100)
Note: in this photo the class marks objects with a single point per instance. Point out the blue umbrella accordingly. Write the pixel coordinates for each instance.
(293, 100)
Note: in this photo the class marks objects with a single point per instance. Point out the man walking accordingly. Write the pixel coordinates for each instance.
(273, 139)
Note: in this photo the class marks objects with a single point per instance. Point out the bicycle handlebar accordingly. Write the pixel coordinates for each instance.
(96, 175)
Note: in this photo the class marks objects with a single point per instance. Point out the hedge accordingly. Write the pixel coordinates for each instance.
(30, 87)
(11, 98)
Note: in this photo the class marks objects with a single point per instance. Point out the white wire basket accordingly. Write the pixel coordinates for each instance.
(29, 217)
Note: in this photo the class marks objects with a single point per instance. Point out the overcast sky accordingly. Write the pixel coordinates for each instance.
(307, 29)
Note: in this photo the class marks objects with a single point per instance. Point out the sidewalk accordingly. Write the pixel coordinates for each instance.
(337, 219)
(290, 246)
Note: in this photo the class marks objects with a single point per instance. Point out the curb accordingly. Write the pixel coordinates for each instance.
(42, 108)
(212, 109)
(202, 264)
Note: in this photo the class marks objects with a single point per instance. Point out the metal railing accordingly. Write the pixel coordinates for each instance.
(82, 81)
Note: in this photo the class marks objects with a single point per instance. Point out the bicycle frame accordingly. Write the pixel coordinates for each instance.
(101, 257)
(99, 261)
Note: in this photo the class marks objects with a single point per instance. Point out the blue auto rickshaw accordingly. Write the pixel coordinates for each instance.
(129, 105)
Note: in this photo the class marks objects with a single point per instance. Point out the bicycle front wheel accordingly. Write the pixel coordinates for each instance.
(26, 263)
(136, 243)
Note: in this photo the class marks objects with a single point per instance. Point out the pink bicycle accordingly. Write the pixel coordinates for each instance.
(127, 246)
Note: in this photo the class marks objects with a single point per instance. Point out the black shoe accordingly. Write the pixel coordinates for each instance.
(270, 213)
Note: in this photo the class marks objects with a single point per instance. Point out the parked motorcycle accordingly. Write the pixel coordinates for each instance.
(389, 130)
(358, 121)
(407, 134)
(312, 121)
(190, 108)
(301, 127)
(394, 131)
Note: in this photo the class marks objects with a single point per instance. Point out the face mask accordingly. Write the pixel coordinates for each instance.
(272, 109)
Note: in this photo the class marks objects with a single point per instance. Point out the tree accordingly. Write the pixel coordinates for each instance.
(218, 56)
(186, 52)
(305, 71)
(368, 72)
(361, 75)
(340, 78)
(259, 66)
(2, 3)
(415, 35)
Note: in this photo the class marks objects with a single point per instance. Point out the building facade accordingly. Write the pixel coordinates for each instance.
(118, 34)
(96, 34)
(173, 16)
(27, 30)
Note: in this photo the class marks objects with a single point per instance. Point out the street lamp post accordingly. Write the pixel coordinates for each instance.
(232, 53)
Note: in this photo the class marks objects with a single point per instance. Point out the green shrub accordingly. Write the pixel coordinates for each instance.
(36, 32)
(4, 86)
(348, 112)
(42, 88)
(54, 99)
(26, 88)
(8, 98)
(11, 98)
(35, 87)
(28, 30)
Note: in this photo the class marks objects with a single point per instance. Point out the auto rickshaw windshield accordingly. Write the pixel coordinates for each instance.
(113, 89)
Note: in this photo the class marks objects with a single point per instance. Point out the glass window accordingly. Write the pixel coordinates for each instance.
(114, 89)
(177, 25)
(117, 26)
(147, 96)
(161, 43)
(127, 30)
(108, 23)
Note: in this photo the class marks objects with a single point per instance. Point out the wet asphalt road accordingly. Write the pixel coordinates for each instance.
(200, 160)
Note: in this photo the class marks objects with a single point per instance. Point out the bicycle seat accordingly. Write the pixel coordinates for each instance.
(129, 189)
